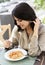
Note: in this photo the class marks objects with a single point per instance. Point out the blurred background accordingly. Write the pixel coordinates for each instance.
(6, 7)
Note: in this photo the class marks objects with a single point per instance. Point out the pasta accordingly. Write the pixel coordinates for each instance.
(16, 54)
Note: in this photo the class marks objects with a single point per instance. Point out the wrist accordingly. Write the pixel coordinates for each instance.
(35, 34)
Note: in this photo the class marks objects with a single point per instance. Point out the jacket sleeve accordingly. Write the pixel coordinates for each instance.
(37, 44)
(34, 49)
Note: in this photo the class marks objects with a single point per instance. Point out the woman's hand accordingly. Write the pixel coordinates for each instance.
(36, 27)
(7, 43)
(37, 24)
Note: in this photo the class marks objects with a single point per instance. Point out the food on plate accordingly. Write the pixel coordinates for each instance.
(16, 54)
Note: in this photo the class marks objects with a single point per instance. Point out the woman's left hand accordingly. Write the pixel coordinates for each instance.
(37, 24)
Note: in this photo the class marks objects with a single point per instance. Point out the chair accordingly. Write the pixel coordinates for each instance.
(4, 28)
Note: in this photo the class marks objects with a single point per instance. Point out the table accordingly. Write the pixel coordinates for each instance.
(26, 61)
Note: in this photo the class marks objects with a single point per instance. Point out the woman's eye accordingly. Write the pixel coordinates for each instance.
(20, 20)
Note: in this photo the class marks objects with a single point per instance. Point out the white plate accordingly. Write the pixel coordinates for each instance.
(22, 50)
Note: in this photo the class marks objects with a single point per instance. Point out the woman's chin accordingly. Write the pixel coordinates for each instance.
(22, 28)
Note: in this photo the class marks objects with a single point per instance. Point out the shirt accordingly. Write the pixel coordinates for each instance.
(35, 45)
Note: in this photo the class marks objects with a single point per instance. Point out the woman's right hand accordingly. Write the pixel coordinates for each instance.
(7, 44)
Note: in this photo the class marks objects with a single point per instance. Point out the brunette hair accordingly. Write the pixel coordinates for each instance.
(25, 12)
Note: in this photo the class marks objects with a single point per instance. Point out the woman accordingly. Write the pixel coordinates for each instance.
(28, 31)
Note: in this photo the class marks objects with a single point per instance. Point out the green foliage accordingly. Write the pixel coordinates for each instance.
(3, 1)
(43, 20)
(39, 4)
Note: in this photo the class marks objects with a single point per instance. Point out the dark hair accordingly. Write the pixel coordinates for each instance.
(25, 12)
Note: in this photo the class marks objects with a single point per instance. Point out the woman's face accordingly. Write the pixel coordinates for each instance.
(22, 23)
